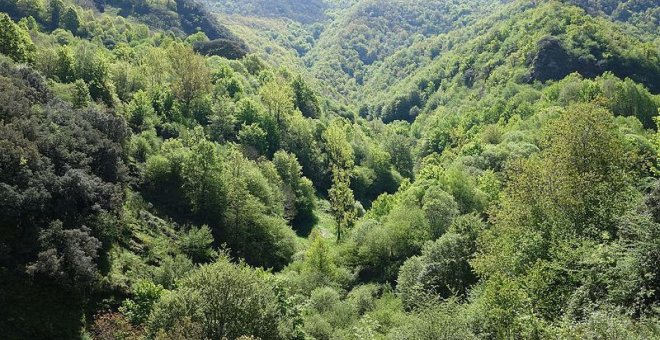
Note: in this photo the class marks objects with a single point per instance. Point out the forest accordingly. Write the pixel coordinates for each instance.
(329, 169)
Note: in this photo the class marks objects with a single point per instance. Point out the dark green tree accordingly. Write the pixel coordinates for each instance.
(70, 20)
(306, 99)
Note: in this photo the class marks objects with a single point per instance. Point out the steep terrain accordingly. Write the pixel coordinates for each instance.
(306, 12)
(643, 14)
(368, 32)
(522, 43)
(340, 169)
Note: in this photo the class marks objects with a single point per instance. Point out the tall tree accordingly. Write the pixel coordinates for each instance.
(561, 207)
(202, 174)
(277, 96)
(342, 201)
(341, 157)
(70, 20)
(15, 41)
(64, 65)
(306, 99)
(192, 77)
(55, 9)
(337, 146)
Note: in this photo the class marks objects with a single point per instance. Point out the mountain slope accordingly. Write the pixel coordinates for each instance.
(182, 17)
(373, 170)
(306, 12)
(532, 43)
(644, 14)
(369, 31)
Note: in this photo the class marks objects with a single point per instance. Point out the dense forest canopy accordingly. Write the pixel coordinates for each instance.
(329, 169)
(307, 12)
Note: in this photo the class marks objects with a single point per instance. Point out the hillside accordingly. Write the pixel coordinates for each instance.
(365, 51)
(306, 12)
(331, 169)
(643, 14)
(519, 43)
(370, 31)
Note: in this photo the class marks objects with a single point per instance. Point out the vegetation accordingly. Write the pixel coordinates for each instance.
(372, 170)
(305, 12)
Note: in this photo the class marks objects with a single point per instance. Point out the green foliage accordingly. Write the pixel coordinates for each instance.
(505, 153)
(440, 209)
(15, 41)
(144, 295)
(228, 193)
(70, 20)
(192, 76)
(621, 97)
(254, 136)
(367, 33)
(278, 100)
(221, 300)
(300, 207)
(444, 321)
(305, 99)
(62, 180)
(196, 244)
(443, 269)
(319, 264)
(591, 184)
(366, 311)
(81, 96)
(339, 150)
(342, 202)
(610, 323)
(306, 12)
(141, 114)
(93, 68)
(64, 65)
(202, 184)
(540, 232)
(172, 269)
(380, 248)
(67, 256)
(638, 13)
(492, 53)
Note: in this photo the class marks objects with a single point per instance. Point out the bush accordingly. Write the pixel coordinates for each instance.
(224, 300)
(443, 321)
(609, 323)
(144, 295)
(196, 243)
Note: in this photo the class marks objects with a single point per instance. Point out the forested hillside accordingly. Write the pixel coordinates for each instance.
(643, 14)
(303, 11)
(534, 43)
(370, 31)
(345, 169)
